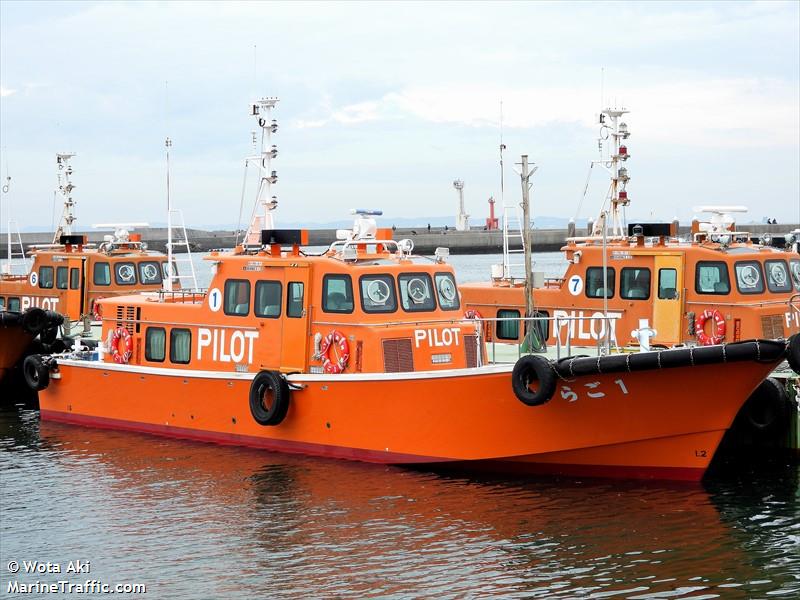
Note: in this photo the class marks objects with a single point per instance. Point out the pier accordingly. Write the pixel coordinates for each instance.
(475, 241)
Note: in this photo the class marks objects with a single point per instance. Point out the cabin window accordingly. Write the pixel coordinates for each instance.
(149, 273)
(749, 278)
(712, 278)
(377, 294)
(2, 303)
(165, 270)
(74, 278)
(667, 284)
(507, 329)
(778, 280)
(102, 273)
(62, 275)
(268, 299)
(180, 346)
(634, 283)
(46, 277)
(125, 273)
(594, 282)
(337, 294)
(237, 297)
(155, 344)
(294, 299)
(416, 292)
(794, 267)
(447, 291)
(13, 304)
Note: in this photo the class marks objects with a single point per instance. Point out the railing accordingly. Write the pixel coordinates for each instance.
(189, 296)
(534, 335)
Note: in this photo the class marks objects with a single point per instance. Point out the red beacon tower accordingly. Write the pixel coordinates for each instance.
(492, 222)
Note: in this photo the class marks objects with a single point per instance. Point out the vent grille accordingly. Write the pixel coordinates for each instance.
(125, 317)
(471, 350)
(398, 356)
(772, 326)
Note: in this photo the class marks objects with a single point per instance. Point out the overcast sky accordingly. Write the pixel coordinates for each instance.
(384, 104)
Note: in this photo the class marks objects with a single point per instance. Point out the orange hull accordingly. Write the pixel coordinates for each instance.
(632, 424)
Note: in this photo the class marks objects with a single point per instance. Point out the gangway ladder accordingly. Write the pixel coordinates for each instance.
(513, 242)
(180, 239)
(16, 260)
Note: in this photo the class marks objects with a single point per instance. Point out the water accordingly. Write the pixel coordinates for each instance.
(192, 520)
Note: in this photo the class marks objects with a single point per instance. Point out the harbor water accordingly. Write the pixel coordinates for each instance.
(191, 520)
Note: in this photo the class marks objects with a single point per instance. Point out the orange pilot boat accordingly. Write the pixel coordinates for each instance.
(364, 352)
(644, 281)
(62, 283)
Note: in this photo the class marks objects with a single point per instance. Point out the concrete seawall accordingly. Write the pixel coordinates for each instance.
(476, 241)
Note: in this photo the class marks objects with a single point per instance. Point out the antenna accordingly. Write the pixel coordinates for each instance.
(502, 168)
(168, 282)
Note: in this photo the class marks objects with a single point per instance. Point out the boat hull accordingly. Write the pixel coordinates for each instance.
(633, 424)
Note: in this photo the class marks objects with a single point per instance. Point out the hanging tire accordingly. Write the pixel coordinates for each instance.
(34, 320)
(269, 398)
(530, 370)
(793, 353)
(768, 409)
(35, 372)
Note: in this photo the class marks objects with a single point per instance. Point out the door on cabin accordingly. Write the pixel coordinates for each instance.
(294, 351)
(669, 299)
(75, 296)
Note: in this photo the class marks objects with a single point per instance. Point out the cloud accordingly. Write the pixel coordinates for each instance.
(5, 92)
(716, 112)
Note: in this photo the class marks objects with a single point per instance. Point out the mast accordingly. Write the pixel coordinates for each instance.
(65, 187)
(525, 177)
(265, 201)
(617, 198)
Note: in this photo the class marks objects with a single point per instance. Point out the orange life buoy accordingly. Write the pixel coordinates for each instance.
(121, 355)
(334, 343)
(718, 327)
(97, 310)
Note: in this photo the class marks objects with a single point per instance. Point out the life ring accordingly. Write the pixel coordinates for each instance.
(96, 310)
(334, 364)
(718, 328)
(121, 334)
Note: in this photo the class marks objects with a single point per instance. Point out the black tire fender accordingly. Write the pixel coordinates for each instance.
(532, 369)
(34, 320)
(793, 353)
(269, 398)
(35, 372)
(768, 407)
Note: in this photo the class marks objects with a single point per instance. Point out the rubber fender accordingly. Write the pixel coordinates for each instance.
(36, 374)
(793, 353)
(34, 320)
(54, 318)
(49, 334)
(768, 408)
(531, 369)
(10, 319)
(269, 398)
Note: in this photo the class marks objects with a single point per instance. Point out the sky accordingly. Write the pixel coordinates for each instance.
(383, 105)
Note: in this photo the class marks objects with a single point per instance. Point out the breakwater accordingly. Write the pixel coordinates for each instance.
(476, 241)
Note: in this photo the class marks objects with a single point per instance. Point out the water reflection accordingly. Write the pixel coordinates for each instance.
(178, 515)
